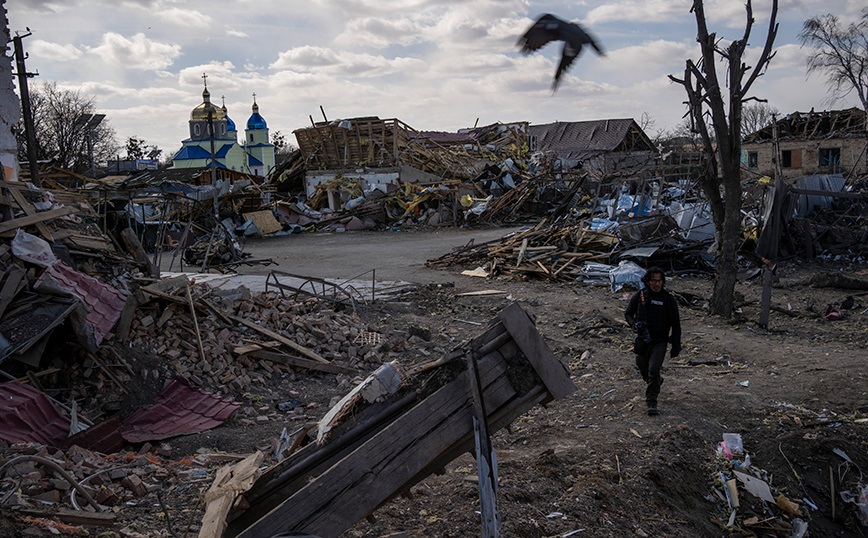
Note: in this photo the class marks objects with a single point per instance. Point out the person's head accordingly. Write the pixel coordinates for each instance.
(654, 279)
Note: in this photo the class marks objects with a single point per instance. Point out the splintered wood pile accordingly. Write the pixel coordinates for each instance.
(548, 252)
(386, 447)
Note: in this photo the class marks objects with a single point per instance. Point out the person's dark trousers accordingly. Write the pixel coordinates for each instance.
(650, 365)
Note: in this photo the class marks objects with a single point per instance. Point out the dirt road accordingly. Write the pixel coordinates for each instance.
(392, 256)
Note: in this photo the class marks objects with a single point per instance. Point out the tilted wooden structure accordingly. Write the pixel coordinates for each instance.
(386, 448)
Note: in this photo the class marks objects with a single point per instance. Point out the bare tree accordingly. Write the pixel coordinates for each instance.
(755, 116)
(61, 136)
(706, 102)
(840, 53)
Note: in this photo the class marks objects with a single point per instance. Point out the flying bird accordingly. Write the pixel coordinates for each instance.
(549, 28)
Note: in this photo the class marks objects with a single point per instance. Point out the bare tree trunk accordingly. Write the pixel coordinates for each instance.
(706, 102)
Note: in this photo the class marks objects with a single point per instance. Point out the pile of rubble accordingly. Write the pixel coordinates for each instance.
(37, 480)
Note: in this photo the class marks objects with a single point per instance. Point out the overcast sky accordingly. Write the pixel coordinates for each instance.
(434, 64)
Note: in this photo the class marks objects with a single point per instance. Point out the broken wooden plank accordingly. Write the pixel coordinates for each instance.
(33, 219)
(388, 447)
(91, 242)
(10, 288)
(229, 483)
(301, 362)
(550, 369)
(486, 459)
(30, 210)
(195, 323)
(280, 338)
(72, 517)
(128, 313)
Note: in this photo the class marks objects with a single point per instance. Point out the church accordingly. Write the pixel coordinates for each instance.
(254, 155)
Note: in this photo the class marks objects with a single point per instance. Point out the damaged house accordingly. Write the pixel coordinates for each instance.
(383, 152)
(603, 147)
(827, 142)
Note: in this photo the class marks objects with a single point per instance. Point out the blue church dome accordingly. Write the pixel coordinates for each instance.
(230, 125)
(256, 122)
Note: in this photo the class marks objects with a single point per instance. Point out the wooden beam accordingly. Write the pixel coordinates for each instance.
(280, 338)
(10, 288)
(301, 363)
(35, 218)
(550, 369)
(30, 210)
(73, 517)
(134, 246)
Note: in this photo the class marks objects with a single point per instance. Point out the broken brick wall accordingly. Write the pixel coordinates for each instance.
(805, 156)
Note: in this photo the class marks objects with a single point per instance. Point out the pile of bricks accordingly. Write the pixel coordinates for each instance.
(168, 330)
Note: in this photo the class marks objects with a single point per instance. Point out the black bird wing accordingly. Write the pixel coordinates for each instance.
(546, 29)
(570, 52)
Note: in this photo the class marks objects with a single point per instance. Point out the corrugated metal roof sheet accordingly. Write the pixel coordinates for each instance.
(104, 303)
(27, 415)
(102, 437)
(179, 410)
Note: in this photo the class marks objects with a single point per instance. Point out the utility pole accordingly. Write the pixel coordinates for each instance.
(213, 156)
(775, 221)
(25, 107)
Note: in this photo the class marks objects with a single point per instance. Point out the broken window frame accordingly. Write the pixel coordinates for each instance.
(791, 158)
(752, 159)
(829, 158)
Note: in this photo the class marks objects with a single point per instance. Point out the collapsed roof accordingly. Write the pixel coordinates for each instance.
(581, 140)
(384, 143)
(814, 125)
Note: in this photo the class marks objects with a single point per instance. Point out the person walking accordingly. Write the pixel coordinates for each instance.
(653, 314)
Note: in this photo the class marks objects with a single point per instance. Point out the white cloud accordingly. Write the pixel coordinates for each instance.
(221, 76)
(379, 33)
(54, 51)
(236, 33)
(185, 17)
(790, 57)
(638, 10)
(727, 12)
(136, 53)
(643, 60)
(108, 91)
(342, 63)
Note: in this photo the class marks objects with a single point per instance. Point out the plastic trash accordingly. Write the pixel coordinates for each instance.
(626, 273)
(860, 499)
(724, 451)
(355, 202)
(800, 528)
(32, 249)
(734, 442)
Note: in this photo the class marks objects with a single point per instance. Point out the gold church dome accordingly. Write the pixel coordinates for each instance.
(200, 113)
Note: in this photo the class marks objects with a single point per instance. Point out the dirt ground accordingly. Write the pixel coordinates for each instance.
(594, 464)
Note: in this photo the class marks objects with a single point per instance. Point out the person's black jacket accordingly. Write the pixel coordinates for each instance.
(662, 316)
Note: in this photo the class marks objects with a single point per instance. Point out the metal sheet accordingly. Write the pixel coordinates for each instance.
(27, 415)
(180, 409)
